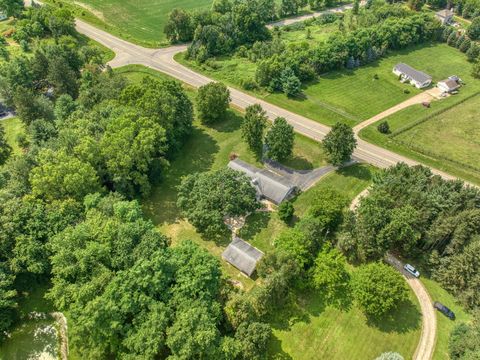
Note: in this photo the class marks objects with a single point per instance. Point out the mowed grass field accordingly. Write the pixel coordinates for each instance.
(139, 21)
(349, 96)
(313, 329)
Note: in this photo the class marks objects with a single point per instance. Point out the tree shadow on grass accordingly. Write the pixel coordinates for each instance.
(357, 171)
(255, 224)
(405, 318)
(231, 123)
(197, 155)
(275, 351)
(298, 163)
(299, 309)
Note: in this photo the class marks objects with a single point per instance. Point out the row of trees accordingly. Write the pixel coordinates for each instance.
(228, 20)
(351, 49)
(411, 211)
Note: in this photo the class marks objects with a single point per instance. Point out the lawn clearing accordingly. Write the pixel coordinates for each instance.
(138, 21)
(13, 127)
(349, 96)
(313, 329)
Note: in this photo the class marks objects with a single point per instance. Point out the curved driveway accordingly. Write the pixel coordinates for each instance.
(163, 60)
(426, 345)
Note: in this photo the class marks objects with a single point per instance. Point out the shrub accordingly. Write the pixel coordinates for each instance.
(383, 127)
(286, 211)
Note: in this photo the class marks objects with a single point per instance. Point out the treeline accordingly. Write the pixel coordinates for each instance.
(69, 217)
(417, 214)
(229, 24)
(350, 50)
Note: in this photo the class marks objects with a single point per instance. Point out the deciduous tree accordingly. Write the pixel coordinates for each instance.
(279, 140)
(340, 143)
(212, 102)
(253, 127)
(206, 199)
(378, 289)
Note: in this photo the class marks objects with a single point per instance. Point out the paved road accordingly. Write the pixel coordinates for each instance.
(163, 60)
(426, 345)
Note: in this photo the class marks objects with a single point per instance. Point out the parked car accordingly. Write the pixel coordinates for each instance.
(444, 310)
(411, 270)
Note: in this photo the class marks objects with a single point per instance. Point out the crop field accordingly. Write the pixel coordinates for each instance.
(349, 96)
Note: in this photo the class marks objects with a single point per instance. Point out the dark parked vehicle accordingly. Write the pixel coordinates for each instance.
(444, 310)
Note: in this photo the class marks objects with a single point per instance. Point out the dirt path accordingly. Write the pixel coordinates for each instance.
(426, 96)
(426, 345)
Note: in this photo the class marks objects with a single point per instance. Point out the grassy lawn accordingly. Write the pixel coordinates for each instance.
(444, 325)
(13, 127)
(446, 136)
(138, 21)
(314, 329)
(346, 95)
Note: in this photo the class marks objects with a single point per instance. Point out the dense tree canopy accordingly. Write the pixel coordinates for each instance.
(206, 199)
(411, 210)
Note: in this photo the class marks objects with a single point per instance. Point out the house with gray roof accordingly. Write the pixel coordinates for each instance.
(445, 16)
(269, 185)
(242, 255)
(417, 78)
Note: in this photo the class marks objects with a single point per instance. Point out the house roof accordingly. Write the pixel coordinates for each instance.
(242, 255)
(412, 73)
(450, 84)
(445, 13)
(267, 183)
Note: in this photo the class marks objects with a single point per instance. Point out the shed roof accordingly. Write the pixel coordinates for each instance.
(242, 255)
(450, 84)
(445, 13)
(412, 73)
(267, 183)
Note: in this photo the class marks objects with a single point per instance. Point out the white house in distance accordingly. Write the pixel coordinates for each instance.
(445, 16)
(3, 16)
(417, 78)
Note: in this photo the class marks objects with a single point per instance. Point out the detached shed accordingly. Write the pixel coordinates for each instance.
(242, 255)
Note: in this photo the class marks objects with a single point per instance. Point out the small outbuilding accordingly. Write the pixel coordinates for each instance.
(242, 255)
(3, 16)
(417, 78)
(268, 184)
(448, 85)
(445, 16)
